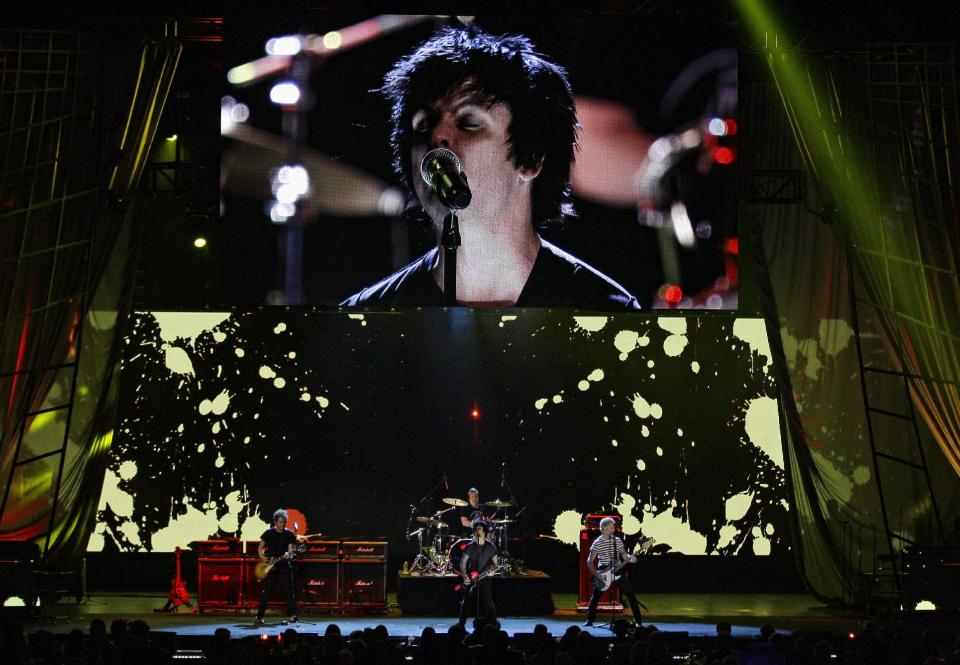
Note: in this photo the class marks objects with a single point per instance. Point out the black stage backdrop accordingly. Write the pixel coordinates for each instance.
(349, 419)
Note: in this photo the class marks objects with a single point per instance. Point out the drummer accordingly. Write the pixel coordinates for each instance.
(473, 510)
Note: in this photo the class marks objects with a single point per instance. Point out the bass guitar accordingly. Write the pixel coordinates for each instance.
(489, 572)
(263, 568)
(603, 579)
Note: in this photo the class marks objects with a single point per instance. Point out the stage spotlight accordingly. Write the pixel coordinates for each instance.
(172, 138)
(200, 243)
(475, 413)
(285, 93)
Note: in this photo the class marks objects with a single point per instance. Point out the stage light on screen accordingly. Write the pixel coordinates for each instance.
(280, 212)
(285, 93)
(172, 138)
(475, 413)
(200, 243)
(682, 227)
(717, 127)
(240, 113)
(731, 126)
(673, 294)
(286, 45)
(722, 155)
(332, 40)
(731, 246)
(704, 229)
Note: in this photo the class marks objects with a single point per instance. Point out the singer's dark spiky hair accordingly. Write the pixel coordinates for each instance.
(543, 127)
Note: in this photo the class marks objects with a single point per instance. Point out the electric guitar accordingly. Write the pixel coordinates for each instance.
(263, 568)
(178, 594)
(604, 579)
(489, 572)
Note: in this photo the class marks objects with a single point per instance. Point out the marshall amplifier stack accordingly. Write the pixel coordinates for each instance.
(330, 574)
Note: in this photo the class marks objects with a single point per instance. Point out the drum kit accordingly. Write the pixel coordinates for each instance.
(440, 548)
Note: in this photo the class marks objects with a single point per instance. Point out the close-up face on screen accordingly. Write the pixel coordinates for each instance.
(482, 161)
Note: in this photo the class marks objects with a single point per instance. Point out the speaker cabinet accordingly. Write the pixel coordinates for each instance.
(220, 583)
(363, 584)
(318, 583)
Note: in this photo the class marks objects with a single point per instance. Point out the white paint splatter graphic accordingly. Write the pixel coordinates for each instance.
(736, 506)
(666, 528)
(177, 360)
(591, 324)
(762, 424)
(754, 333)
(220, 403)
(567, 527)
(174, 325)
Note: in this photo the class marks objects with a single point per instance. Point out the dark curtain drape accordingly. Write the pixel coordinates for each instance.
(875, 132)
(83, 110)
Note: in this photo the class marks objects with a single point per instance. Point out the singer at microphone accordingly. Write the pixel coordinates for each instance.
(466, 104)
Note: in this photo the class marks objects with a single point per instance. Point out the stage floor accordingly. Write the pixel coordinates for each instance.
(697, 614)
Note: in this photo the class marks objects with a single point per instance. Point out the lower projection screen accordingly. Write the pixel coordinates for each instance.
(349, 420)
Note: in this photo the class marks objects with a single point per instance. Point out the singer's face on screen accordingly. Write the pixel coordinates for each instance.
(477, 133)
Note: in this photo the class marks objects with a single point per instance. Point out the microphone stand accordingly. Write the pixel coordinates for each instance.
(450, 239)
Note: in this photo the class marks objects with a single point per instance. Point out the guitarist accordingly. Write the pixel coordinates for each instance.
(605, 552)
(278, 542)
(479, 557)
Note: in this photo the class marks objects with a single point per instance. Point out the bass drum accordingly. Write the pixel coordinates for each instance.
(456, 554)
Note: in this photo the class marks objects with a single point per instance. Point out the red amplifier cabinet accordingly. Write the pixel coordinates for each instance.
(318, 583)
(231, 547)
(322, 549)
(363, 583)
(590, 531)
(364, 549)
(220, 583)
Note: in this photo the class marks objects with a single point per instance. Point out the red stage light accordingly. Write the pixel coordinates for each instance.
(673, 294)
(731, 246)
(731, 126)
(476, 414)
(722, 155)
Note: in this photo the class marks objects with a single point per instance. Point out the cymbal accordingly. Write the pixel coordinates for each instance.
(499, 503)
(431, 521)
(502, 521)
(453, 501)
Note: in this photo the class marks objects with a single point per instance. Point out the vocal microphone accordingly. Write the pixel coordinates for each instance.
(440, 169)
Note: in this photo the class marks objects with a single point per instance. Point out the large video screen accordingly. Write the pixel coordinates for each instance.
(358, 423)
(585, 163)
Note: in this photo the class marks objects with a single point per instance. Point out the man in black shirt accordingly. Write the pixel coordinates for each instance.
(508, 114)
(479, 557)
(472, 512)
(278, 542)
